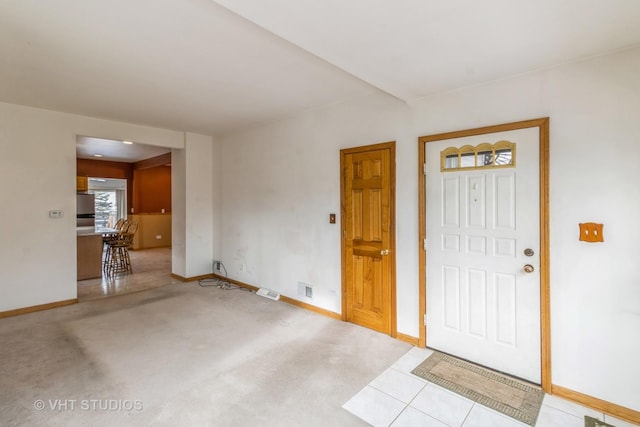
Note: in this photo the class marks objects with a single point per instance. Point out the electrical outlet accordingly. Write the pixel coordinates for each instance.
(158, 236)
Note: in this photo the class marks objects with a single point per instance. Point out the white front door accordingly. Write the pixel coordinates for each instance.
(482, 229)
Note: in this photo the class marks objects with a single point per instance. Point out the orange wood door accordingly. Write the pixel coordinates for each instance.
(368, 271)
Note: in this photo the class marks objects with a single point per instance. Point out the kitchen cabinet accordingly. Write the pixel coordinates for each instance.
(82, 183)
(89, 255)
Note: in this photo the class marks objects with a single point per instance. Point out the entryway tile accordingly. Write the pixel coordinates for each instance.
(481, 416)
(408, 362)
(551, 417)
(400, 385)
(375, 407)
(421, 352)
(571, 408)
(411, 417)
(443, 405)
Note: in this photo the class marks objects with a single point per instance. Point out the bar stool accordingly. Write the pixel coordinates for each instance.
(117, 258)
(112, 237)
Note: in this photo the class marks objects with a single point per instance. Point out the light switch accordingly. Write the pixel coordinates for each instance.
(332, 218)
(591, 232)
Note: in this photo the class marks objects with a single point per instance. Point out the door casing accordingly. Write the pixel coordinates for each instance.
(392, 244)
(545, 325)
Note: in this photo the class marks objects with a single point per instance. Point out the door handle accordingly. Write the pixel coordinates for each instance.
(384, 252)
(528, 268)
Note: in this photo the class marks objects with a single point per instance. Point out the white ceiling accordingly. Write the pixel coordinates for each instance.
(213, 67)
(115, 151)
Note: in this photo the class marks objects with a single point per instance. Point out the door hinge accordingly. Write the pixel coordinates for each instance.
(424, 244)
(424, 168)
(425, 319)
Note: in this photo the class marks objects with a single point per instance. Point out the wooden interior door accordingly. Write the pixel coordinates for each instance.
(368, 244)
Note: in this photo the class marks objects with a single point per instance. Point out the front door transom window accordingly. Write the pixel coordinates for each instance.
(483, 156)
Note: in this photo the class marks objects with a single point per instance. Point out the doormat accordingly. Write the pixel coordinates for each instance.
(499, 392)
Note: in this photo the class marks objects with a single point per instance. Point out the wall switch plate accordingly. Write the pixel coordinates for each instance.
(56, 214)
(591, 232)
(158, 237)
(332, 218)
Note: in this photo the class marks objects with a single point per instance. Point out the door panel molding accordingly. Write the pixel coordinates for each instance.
(545, 323)
(372, 251)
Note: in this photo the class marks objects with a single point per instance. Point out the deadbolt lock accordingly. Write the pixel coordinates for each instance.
(528, 252)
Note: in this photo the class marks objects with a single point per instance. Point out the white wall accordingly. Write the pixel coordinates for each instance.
(178, 212)
(216, 198)
(38, 168)
(281, 181)
(194, 189)
(199, 204)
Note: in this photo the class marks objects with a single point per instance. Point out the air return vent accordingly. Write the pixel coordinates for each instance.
(264, 292)
(305, 290)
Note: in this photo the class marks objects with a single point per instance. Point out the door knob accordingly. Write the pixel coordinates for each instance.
(384, 252)
(528, 268)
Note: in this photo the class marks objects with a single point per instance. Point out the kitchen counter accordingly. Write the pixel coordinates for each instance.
(91, 230)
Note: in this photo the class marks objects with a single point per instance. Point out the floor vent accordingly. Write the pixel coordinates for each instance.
(263, 292)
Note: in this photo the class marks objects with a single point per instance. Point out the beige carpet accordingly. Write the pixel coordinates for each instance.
(183, 355)
(502, 393)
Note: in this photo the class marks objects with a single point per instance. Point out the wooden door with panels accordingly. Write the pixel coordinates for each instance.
(368, 238)
(484, 225)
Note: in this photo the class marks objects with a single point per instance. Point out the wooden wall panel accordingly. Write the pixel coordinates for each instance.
(152, 190)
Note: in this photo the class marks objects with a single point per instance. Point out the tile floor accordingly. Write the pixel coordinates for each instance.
(398, 398)
(151, 269)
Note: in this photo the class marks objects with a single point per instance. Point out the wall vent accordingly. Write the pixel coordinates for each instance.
(305, 290)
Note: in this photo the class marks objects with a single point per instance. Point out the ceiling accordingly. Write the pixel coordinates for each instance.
(214, 67)
(115, 151)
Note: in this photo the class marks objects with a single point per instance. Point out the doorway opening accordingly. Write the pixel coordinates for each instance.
(128, 181)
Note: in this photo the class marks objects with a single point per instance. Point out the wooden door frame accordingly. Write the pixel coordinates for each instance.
(391, 146)
(545, 319)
